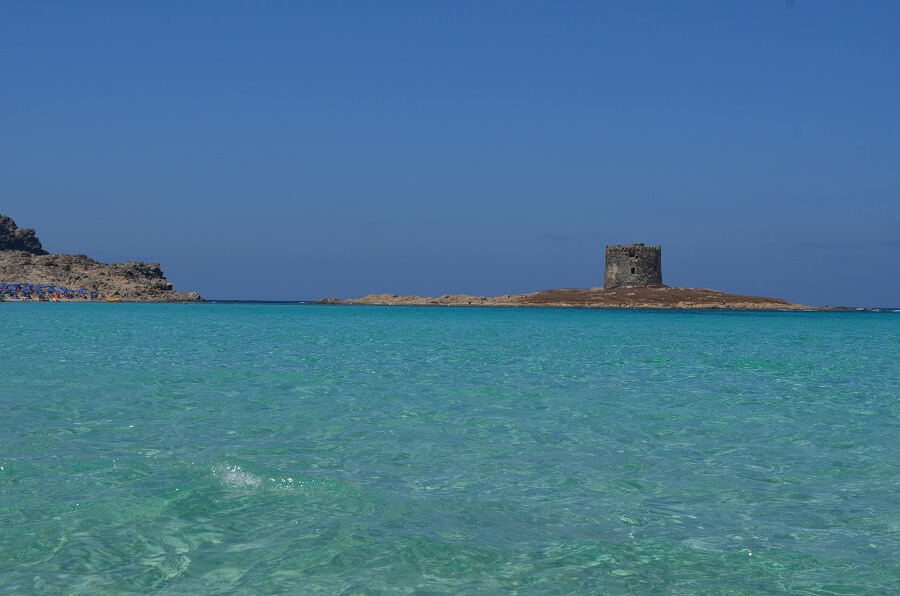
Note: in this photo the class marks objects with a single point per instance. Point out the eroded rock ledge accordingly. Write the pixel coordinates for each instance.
(24, 260)
(625, 297)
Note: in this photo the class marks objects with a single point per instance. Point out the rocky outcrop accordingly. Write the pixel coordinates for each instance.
(12, 237)
(649, 297)
(144, 282)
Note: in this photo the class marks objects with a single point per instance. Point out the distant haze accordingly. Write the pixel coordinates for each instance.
(297, 150)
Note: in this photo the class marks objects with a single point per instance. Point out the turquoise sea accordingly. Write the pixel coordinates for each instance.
(253, 448)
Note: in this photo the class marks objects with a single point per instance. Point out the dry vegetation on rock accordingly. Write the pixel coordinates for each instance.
(656, 297)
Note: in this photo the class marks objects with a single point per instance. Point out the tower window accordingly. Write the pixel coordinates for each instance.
(632, 269)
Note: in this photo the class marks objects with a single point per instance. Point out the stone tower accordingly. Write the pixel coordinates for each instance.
(633, 265)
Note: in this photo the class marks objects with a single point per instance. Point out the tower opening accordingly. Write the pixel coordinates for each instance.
(632, 270)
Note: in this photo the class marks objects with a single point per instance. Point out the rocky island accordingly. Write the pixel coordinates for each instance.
(23, 260)
(624, 297)
(633, 279)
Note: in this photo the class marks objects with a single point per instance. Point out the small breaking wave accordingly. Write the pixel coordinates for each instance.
(234, 476)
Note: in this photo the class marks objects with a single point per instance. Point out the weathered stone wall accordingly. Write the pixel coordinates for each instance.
(633, 265)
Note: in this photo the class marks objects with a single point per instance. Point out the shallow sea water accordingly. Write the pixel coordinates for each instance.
(273, 448)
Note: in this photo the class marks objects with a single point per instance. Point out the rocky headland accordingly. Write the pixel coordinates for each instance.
(24, 260)
(624, 297)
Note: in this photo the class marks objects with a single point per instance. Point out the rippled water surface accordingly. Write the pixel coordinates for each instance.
(267, 448)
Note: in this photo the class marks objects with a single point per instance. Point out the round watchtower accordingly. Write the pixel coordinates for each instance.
(633, 265)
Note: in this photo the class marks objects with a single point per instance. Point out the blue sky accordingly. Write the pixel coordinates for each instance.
(296, 150)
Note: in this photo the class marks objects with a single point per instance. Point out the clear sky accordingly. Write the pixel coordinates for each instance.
(297, 150)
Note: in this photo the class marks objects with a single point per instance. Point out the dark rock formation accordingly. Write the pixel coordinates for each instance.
(144, 282)
(12, 237)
